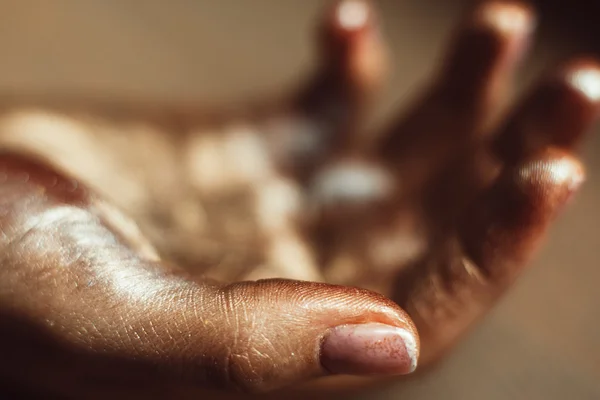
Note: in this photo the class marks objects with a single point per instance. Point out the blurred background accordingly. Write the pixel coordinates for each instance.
(540, 343)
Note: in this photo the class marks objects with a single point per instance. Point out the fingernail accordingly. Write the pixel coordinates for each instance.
(369, 349)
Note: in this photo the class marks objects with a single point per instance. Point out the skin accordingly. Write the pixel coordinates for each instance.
(140, 243)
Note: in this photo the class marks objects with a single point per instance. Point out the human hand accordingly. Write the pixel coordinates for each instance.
(439, 212)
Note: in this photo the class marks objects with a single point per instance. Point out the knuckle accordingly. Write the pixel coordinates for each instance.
(251, 363)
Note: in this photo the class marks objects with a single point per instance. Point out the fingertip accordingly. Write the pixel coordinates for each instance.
(558, 112)
(533, 191)
(583, 75)
(330, 329)
(512, 22)
(550, 179)
(507, 223)
(371, 336)
(505, 17)
(349, 16)
(352, 44)
(489, 44)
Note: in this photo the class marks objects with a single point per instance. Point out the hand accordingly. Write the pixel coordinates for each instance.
(439, 213)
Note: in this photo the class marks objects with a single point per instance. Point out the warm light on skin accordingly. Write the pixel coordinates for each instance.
(353, 182)
(506, 18)
(389, 249)
(292, 192)
(123, 223)
(288, 254)
(74, 144)
(246, 153)
(221, 163)
(587, 81)
(277, 201)
(566, 171)
(352, 14)
(563, 171)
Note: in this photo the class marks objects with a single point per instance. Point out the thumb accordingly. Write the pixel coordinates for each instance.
(300, 330)
(113, 316)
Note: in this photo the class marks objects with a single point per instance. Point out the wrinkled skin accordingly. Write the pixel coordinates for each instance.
(433, 218)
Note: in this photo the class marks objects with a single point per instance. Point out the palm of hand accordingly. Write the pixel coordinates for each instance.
(439, 212)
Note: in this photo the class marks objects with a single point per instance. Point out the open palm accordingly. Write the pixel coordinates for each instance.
(439, 212)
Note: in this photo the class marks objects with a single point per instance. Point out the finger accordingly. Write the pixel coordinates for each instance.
(499, 235)
(518, 209)
(478, 67)
(484, 54)
(352, 50)
(557, 112)
(83, 276)
(330, 107)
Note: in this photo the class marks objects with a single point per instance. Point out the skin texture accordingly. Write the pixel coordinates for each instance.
(140, 242)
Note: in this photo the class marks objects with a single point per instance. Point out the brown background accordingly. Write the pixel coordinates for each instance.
(540, 343)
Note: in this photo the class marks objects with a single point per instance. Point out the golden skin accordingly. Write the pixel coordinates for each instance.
(439, 213)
